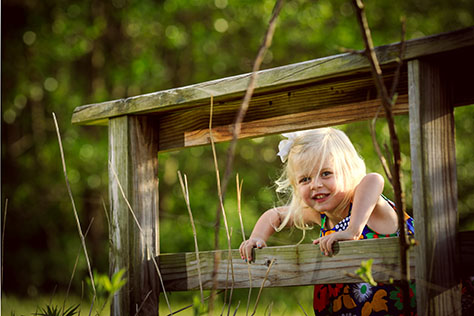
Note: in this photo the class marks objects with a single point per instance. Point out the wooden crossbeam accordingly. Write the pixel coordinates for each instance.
(293, 265)
(299, 265)
(276, 79)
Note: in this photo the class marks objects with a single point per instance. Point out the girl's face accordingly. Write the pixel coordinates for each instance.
(319, 191)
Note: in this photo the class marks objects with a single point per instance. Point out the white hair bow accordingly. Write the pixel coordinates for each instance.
(285, 145)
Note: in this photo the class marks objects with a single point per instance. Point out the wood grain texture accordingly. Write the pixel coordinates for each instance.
(293, 266)
(322, 117)
(434, 188)
(133, 155)
(334, 101)
(269, 81)
(119, 245)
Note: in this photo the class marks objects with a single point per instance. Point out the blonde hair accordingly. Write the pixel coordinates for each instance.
(310, 149)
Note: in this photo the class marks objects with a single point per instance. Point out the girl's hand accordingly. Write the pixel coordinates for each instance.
(326, 242)
(245, 248)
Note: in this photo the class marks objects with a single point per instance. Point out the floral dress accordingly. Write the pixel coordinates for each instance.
(361, 298)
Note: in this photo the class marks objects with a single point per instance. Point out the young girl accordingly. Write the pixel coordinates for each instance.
(329, 187)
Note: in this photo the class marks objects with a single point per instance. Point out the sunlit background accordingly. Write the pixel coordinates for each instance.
(57, 55)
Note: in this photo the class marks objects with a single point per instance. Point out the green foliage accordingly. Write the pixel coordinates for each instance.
(64, 54)
(198, 307)
(49, 310)
(105, 288)
(365, 272)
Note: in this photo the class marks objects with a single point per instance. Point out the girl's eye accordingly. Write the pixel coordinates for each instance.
(305, 179)
(326, 173)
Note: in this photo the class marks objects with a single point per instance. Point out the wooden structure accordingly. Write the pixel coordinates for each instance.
(436, 77)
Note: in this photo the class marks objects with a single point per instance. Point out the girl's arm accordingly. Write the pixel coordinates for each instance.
(368, 207)
(264, 228)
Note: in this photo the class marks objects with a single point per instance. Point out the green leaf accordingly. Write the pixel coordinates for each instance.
(365, 272)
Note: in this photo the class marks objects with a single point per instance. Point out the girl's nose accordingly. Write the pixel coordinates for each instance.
(316, 183)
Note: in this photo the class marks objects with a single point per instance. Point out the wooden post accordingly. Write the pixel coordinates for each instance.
(133, 168)
(433, 163)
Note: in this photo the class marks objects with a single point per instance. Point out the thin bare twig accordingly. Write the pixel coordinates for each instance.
(392, 97)
(267, 40)
(261, 287)
(401, 54)
(239, 195)
(387, 102)
(83, 241)
(184, 188)
(143, 234)
(237, 127)
(383, 161)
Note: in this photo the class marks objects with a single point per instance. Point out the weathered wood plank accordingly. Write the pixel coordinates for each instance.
(335, 101)
(119, 245)
(133, 169)
(275, 79)
(433, 164)
(322, 117)
(293, 266)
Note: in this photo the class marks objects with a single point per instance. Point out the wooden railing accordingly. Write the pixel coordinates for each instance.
(437, 77)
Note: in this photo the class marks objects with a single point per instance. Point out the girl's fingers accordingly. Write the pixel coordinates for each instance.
(246, 247)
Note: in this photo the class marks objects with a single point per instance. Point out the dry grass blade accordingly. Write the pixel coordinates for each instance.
(75, 266)
(221, 201)
(144, 300)
(239, 208)
(269, 309)
(236, 309)
(143, 234)
(301, 308)
(190, 305)
(83, 241)
(184, 188)
(261, 287)
(3, 232)
(108, 221)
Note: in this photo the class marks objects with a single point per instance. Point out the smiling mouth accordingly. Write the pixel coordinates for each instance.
(319, 197)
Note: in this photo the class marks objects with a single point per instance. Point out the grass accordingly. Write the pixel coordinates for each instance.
(12, 305)
(284, 301)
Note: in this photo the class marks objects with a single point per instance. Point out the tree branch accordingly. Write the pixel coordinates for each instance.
(387, 102)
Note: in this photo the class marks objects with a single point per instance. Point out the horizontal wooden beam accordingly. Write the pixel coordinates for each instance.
(330, 102)
(321, 117)
(269, 81)
(298, 265)
(293, 265)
